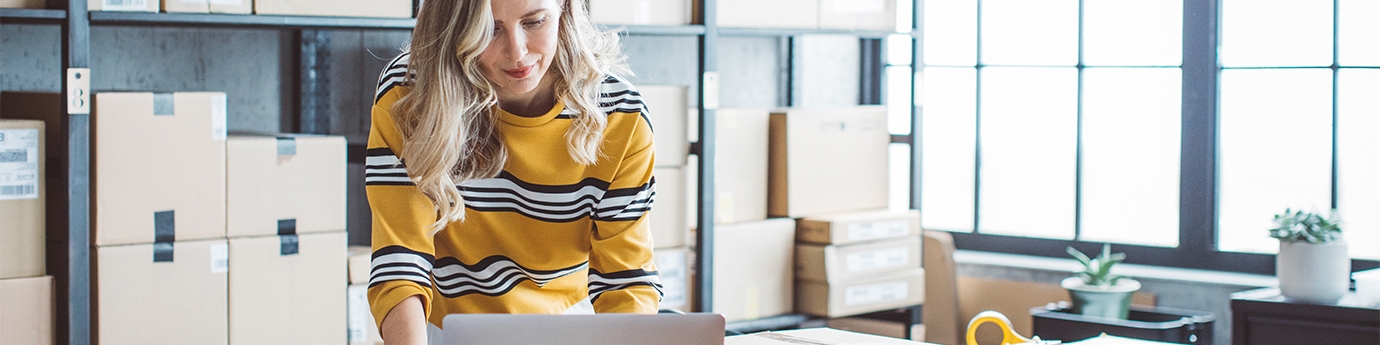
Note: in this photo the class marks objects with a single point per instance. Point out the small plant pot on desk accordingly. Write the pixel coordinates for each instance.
(1113, 301)
(1149, 323)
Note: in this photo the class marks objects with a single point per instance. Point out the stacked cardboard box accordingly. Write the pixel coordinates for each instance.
(161, 258)
(209, 6)
(26, 294)
(867, 15)
(641, 12)
(338, 8)
(855, 263)
(363, 330)
(827, 161)
(123, 5)
(22, 3)
(286, 207)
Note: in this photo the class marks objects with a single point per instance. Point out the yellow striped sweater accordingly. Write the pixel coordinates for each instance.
(540, 237)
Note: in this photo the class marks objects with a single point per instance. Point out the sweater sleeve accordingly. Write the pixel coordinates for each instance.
(622, 277)
(403, 250)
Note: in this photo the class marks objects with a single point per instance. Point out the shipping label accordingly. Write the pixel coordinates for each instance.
(877, 259)
(876, 293)
(19, 164)
(878, 230)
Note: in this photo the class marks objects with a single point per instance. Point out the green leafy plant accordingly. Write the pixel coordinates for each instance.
(1098, 271)
(1300, 226)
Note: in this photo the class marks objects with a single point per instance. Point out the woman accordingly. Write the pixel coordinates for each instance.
(516, 102)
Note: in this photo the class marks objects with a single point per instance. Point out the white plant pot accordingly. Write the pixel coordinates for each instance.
(1313, 273)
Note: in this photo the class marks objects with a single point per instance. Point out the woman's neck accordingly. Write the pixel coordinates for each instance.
(532, 104)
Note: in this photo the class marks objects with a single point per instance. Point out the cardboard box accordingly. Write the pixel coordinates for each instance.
(740, 169)
(812, 336)
(159, 167)
(336, 8)
(146, 295)
(861, 295)
(360, 264)
(869, 15)
(841, 263)
(670, 211)
(673, 266)
(123, 5)
(209, 6)
(754, 275)
(855, 227)
(669, 113)
(828, 161)
(288, 290)
(26, 311)
(803, 14)
(885, 328)
(641, 12)
(22, 198)
(37, 4)
(363, 330)
(287, 184)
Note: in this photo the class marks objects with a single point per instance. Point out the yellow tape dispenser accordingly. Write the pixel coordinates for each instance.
(1008, 334)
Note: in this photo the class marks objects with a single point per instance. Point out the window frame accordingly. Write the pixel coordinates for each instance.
(1199, 157)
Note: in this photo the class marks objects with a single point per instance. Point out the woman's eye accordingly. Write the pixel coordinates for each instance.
(534, 23)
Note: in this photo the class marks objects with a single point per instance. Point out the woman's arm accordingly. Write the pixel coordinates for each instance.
(405, 324)
(622, 277)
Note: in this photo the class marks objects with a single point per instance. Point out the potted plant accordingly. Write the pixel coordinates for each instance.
(1313, 263)
(1096, 291)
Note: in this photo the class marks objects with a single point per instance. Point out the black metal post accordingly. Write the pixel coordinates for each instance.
(75, 315)
(314, 83)
(704, 291)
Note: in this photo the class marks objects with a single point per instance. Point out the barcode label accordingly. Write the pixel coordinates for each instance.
(124, 5)
(14, 156)
(19, 155)
(220, 258)
(18, 191)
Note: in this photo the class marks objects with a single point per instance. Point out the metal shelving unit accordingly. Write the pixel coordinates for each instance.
(76, 22)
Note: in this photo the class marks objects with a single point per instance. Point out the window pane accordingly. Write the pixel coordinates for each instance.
(898, 49)
(1276, 151)
(1358, 159)
(898, 102)
(1131, 121)
(1276, 33)
(1133, 32)
(1358, 33)
(950, 32)
(1030, 32)
(898, 160)
(1029, 140)
(949, 140)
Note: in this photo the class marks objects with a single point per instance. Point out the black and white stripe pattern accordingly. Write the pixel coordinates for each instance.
(558, 203)
(492, 276)
(618, 96)
(394, 263)
(626, 204)
(382, 168)
(395, 75)
(600, 283)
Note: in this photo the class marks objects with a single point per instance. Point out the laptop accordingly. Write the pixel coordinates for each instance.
(598, 329)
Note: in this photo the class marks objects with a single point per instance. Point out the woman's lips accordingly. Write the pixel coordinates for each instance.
(519, 73)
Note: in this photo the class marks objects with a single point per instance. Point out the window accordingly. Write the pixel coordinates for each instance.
(1048, 123)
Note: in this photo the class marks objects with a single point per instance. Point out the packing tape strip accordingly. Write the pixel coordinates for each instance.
(164, 234)
(287, 237)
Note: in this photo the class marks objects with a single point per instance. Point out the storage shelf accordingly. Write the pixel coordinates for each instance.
(246, 20)
(657, 30)
(796, 32)
(31, 16)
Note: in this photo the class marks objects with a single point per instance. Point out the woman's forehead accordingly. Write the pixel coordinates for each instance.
(518, 9)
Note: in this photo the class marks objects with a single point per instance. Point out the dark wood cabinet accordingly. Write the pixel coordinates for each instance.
(1264, 317)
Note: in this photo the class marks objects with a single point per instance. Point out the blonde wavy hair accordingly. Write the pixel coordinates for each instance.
(448, 124)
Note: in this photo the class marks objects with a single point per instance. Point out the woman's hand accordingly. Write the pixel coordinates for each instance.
(405, 324)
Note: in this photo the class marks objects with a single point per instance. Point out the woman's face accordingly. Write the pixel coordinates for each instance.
(524, 43)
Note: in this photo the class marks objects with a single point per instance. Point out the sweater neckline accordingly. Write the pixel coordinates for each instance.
(526, 121)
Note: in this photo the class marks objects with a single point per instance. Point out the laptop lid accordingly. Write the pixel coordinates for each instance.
(598, 329)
